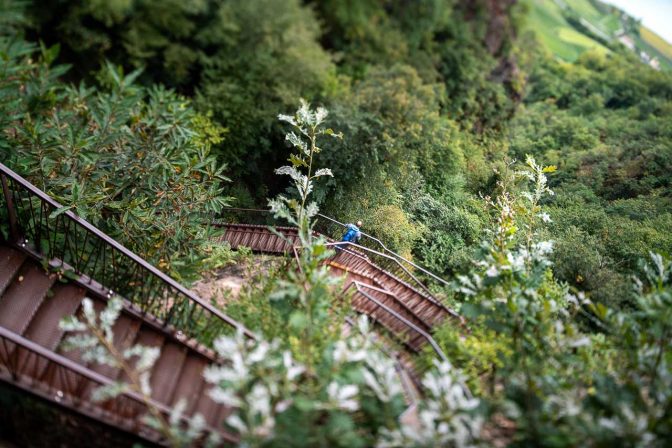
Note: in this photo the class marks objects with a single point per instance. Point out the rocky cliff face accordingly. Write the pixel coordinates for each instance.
(496, 15)
(500, 27)
(499, 33)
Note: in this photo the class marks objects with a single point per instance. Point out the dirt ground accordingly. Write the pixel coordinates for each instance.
(224, 285)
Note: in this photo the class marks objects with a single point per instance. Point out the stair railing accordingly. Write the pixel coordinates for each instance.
(65, 380)
(41, 226)
(384, 258)
(326, 230)
(361, 289)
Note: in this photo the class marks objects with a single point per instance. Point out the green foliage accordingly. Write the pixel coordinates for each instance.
(535, 368)
(406, 81)
(426, 93)
(452, 228)
(342, 400)
(133, 161)
(258, 43)
(303, 300)
(309, 386)
(396, 142)
(603, 122)
(219, 50)
(157, 34)
(312, 386)
(253, 308)
(390, 224)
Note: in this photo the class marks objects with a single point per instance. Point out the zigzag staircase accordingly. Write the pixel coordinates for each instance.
(398, 301)
(51, 261)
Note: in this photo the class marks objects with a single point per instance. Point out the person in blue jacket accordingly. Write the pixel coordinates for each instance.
(352, 234)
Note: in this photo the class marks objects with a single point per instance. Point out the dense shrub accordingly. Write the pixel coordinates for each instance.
(134, 161)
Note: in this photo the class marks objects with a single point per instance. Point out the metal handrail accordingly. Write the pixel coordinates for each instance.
(359, 286)
(430, 340)
(90, 375)
(386, 254)
(375, 252)
(392, 253)
(364, 234)
(173, 285)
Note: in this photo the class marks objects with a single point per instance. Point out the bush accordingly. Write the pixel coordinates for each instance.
(133, 161)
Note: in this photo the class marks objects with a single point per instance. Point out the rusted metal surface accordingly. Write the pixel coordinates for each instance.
(157, 311)
(30, 356)
(88, 252)
(56, 378)
(411, 272)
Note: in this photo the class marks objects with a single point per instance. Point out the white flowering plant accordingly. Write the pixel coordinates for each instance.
(307, 125)
(351, 394)
(511, 296)
(546, 376)
(447, 416)
(311, 386)
(92, 336)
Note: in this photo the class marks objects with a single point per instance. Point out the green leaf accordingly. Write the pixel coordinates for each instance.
(60, 211)
(304, 404)
(298, 320)
(297, 161)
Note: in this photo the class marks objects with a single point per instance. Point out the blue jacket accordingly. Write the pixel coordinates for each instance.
(352, 234)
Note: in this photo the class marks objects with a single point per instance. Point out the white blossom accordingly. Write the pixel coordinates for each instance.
(343, 397)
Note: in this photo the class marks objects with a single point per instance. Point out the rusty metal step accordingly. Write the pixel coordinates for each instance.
(43, 328)
(147, 337)
(205, 406)
(10, 262)
(166, 372)
(64, 301)
(23, 297)
(190, 383)
(124, 330)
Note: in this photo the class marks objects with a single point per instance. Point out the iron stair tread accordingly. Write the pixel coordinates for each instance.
(149, 337)
(10, 262)
(399, 305)
(417, 341)
(187, 387)
(43, 328)
(167, 370)
(144, 336)
(24, 296)
(206, 406)
(87, 387)
(124, 330)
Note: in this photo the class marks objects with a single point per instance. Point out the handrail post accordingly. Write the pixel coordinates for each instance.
(14, 234)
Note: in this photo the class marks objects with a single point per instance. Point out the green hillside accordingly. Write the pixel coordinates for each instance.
(567, 28)
(657, 42)
(547, 21)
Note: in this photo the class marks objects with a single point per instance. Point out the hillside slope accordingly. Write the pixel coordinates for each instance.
(567, 28)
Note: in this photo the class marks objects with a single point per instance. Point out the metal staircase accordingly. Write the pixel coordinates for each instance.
(392, 295)
(52, 259)
(80, 262)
